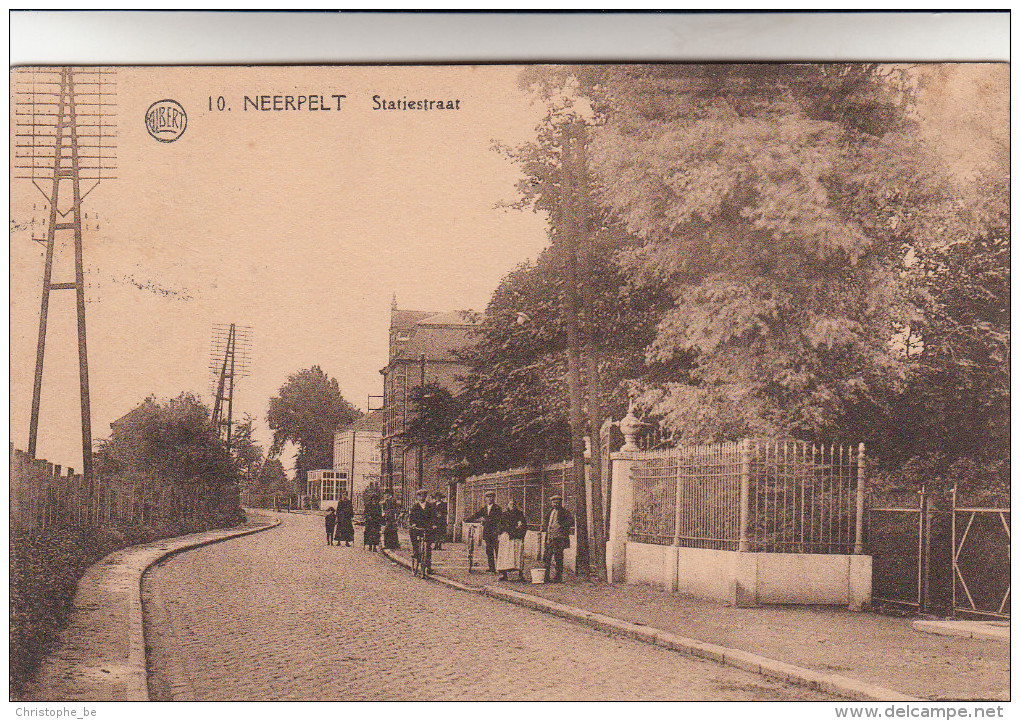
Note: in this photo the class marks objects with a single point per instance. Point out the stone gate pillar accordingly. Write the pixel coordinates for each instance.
(622, 501)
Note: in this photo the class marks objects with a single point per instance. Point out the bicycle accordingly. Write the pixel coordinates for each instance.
(421, 556)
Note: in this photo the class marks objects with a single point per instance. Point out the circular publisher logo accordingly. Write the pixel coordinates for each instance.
(166, 120)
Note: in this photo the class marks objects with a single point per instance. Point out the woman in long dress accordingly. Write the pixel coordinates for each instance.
(513, 528)
(373, 522)
(391, 539)
(344, 520)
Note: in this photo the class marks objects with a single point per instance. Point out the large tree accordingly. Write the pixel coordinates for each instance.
(246, 452)
(307, 412)
(777, 205)
(511, 409)
(272, 478)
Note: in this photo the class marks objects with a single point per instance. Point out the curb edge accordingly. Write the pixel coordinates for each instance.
(770, 668)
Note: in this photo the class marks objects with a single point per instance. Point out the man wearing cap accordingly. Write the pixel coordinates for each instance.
(557, 537)
(420, 521)
(490, 515)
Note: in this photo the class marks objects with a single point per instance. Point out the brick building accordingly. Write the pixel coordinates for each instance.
(421, 351)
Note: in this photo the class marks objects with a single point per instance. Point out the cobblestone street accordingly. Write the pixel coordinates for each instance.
(280, 615)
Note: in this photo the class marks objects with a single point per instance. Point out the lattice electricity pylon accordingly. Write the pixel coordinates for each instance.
(65, 134)
(229, 359)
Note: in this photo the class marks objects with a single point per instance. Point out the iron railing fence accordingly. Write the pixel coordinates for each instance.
(531, 489)
(778, 497)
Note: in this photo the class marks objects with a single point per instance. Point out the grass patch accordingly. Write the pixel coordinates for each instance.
(44, 572)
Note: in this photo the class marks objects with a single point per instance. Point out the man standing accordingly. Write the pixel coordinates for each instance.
(490, 514)
(557, 537)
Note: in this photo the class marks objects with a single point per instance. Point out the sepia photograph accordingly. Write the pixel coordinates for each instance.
(511, 381)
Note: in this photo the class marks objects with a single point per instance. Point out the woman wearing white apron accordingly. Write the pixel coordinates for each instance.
(513, 528)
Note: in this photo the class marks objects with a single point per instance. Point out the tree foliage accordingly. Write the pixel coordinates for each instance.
(272, 478)
(248, 455)
(174, 441)
(776, 204)
(955, 409)
(832, 241)
(511, 409)
(307, 412)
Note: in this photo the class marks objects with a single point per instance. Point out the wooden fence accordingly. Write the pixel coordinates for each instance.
(43, 496)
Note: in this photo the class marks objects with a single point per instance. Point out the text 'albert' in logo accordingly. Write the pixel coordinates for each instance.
(166, 120)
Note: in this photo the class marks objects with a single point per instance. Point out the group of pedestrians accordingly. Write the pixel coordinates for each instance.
(340, 522)
(503, 533)
(381, 521)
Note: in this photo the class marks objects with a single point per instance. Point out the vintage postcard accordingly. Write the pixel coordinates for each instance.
(578, 382)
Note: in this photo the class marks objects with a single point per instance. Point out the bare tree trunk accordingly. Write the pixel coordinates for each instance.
(586, 266)
(568, 249)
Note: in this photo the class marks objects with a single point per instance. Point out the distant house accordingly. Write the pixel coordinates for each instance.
(356, 456)
(421, 351)
(356, 464)
(323, 487)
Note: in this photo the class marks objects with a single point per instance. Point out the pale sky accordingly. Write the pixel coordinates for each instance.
(300, 224)
(304, 224)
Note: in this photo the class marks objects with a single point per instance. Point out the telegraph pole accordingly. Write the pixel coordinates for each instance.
(53, 144)
(421, 444)
(229, 359)
(568, 229)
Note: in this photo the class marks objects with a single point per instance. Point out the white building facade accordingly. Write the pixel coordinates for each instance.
(356, 456)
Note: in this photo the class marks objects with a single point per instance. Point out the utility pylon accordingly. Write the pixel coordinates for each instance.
(62, 128)
(229, 360)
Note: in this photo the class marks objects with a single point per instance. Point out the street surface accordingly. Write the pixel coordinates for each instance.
(280, 615)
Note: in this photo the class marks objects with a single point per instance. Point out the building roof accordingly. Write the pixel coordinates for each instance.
(371, 421)
(406, 319)
(459, 318)
(436, 335)
(143, 408)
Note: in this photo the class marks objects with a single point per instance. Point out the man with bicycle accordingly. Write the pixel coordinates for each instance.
(420, 522)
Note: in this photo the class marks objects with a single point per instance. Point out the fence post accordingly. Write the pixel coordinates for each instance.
(623, 500)
(859, 525)
(745, 492)
(677, 510)
(623, 503)
(952, 520)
